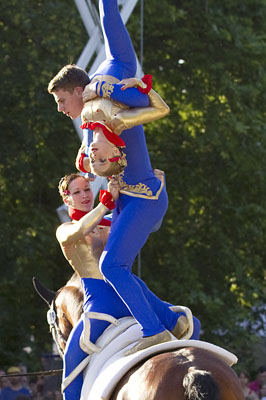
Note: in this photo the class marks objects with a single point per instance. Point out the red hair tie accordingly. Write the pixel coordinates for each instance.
(80, 163)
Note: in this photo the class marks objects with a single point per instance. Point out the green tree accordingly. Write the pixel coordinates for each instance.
(207, 59)
(37, 148)
(209, 65)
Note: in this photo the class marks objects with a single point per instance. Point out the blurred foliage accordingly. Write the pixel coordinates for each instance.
(208, 62)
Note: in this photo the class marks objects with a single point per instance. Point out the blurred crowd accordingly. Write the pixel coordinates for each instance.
(34, 388)
(24, 388)
(254, 389)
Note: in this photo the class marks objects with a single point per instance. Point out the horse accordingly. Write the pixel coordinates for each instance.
(188, 373)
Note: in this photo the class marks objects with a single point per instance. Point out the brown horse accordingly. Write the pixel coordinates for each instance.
(186, 374)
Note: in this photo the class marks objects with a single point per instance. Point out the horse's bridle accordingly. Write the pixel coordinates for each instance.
(54, 329)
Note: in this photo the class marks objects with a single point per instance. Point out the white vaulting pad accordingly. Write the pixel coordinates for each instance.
(108, 367)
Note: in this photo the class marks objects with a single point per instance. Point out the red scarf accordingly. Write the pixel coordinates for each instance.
(75, 214)
(111, 136)
(78, 214)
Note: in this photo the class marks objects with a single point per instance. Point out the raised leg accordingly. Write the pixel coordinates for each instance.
(135, 221)
(168, 317)
(120, 59)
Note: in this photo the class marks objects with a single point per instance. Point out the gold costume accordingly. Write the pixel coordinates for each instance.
(83, 241)
(140, 190)
(116, 116)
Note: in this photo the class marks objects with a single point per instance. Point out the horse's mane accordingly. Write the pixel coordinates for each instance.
(74, 281)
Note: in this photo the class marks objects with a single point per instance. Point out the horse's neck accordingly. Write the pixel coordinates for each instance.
(73, 304)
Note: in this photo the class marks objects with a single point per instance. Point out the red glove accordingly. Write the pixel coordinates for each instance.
(148, 80)
(107, 199)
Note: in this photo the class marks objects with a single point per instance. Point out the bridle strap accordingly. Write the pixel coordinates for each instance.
(54, 329)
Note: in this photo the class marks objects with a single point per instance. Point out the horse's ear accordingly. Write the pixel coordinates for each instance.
(46, 294)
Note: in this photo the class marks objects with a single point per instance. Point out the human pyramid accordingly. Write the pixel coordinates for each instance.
(113, 106)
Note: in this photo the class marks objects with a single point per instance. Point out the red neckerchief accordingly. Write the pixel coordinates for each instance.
(75, 214)
(111, 136)
(78, 214)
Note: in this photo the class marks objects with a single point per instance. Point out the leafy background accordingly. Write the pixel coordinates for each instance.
(208, 62)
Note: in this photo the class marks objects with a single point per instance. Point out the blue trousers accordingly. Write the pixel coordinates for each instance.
(99, 296)
(132, 223)
(120, 60)
(131, 295)
(134, 218)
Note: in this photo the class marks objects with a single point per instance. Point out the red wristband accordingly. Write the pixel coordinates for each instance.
(81, 158)
(148, 80)
(107, 199)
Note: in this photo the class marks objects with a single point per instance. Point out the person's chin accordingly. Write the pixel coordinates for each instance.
(101, 170)
(87, 208)
(74, 116)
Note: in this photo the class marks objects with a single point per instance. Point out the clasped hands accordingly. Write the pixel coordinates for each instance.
(114, 187)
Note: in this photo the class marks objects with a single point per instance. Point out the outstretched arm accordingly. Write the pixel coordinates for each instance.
(71, 232)
(127, 92)
(157, 109)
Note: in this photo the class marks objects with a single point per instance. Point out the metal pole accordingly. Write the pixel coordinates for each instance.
(139, 264)
(141, 63)
(141, 31)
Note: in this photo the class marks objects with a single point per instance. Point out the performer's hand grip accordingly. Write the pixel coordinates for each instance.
(107, 199)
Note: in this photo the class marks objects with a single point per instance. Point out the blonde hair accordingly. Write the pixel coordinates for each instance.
(114, 169)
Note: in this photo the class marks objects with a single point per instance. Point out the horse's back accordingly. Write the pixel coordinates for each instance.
(221, 372)
(161, 377)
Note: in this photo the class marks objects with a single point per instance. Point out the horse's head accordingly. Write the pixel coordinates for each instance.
(65, 308)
